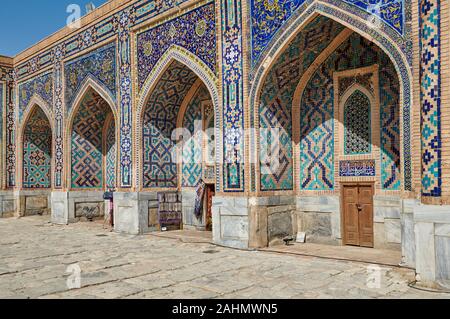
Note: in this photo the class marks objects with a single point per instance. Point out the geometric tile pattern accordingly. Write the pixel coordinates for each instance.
(276, 147)
(194, 31)
(99, 64)
(125, 20)
(37, 148)
(268, 17)
(317, 132)
(103, 30)
(111, 149)
(59, 123)
(430, 96)
(41, 86)
(317, 167)
(192, 148)
(233, 95)
(399, 46)
(7, 74)
(357, 124)
(276, 100)
(160, 119)
(390, 125)
(87, 142)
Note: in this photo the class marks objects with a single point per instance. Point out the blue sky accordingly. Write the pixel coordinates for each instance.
(25, 22)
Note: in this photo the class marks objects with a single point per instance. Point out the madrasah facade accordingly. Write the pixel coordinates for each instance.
(326, 118)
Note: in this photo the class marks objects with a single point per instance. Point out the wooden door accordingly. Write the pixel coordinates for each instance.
(358, 215)
(365, 215)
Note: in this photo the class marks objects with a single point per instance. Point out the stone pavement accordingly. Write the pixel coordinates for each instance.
(35, 257)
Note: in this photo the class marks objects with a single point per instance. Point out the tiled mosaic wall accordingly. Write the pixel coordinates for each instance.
(317, 108)
(193, 148)
(430, 96)
(99, 65)
(268, 17)
(194, 31)
(111, 156)
(160, 120)
(276, 100)
(87, 142)
(317, 113)
(233, 96)
(41, 86)
(37, 148)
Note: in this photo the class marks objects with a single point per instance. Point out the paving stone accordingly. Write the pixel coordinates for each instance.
(36, 257)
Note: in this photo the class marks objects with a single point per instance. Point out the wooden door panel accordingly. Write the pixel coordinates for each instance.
(366, 216)
(358, 215)
(351, 220)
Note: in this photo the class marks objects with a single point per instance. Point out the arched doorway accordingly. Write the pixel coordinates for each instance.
(92, 138)
(37, 151)
(175, 117)
(310, 100)
(35, 160)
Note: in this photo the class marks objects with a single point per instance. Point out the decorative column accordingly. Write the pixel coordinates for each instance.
(126, 19)
(10, 131)
(232, 93)
(430, 97)
(129, 216)
(231, 209)
(60, 195)
(432, 221)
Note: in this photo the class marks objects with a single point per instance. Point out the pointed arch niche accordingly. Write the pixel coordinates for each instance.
(36, 143)
(92, 136)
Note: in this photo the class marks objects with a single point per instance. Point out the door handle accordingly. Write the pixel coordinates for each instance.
(359, 207)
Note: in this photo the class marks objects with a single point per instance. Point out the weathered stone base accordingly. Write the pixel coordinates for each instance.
(387, 222)
(408, 235)
(255, 222)
(71, 207)
(319, 218)
(432, 237)
(33, 202)
(231, 221)
(8, 204)
(135, 213)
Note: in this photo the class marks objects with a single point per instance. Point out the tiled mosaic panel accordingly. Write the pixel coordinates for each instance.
(37, 148)
(160, 119)
(87, 142)
(7, 75)
(193, 148)
(233, 96)
(276, 101)
(268, 17)
(99, 65)
(111, 157)
(430, 96)
(357, 124)
(357, 168)
(105, 29)
(390, 125)
(194, 31)
(317, 133)
(316, 120)
(42, 86)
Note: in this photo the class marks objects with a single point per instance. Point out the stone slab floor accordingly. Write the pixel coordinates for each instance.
(35, 257)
